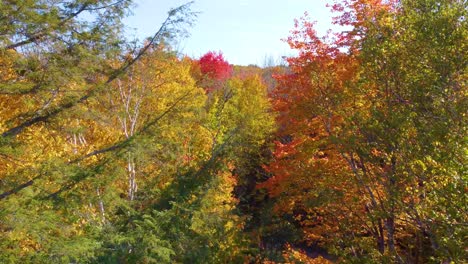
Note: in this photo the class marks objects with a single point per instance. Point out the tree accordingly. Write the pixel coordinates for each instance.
(214, 66)
(212, 70)
(362, 117)
(59, 159)
(74, 44)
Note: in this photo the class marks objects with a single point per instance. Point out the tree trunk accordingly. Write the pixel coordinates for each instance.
(132, 186)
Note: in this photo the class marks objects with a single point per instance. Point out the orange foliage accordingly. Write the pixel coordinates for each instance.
(311, 179)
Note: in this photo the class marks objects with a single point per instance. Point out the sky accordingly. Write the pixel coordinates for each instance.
(245, 31)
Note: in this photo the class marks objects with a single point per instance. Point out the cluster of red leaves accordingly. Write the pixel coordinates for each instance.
(214, 66)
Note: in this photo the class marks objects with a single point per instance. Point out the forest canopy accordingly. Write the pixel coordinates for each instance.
(354, 151)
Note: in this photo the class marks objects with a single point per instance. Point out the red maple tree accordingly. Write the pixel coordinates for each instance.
(214, 66)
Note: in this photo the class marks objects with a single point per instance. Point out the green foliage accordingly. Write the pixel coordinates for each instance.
(376, 118)
(113, 154)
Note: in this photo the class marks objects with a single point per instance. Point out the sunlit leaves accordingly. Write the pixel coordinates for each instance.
(362, 119)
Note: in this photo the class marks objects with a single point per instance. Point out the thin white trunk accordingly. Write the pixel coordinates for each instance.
(132, 185)
(75, 148)
(131, 96)
(101, 206)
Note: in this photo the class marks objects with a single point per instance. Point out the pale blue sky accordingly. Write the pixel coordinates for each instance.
(244, 30)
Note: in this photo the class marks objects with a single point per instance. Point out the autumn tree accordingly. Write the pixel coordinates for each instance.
(362, 118)
(55, 70)
(212, 70)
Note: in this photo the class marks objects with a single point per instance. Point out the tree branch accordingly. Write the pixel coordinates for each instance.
(54, 112)
(114, 147)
